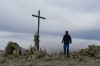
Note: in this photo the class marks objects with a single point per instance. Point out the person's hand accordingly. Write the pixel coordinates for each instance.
(62, 41)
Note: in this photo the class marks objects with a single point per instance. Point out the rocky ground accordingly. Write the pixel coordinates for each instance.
(50, 61)
(84, 57)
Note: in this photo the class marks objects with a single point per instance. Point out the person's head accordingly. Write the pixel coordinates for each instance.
(66, 33)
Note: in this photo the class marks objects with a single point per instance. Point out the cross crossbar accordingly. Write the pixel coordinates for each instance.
(38, 16)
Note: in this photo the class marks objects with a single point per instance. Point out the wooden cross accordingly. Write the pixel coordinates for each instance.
(38, 16)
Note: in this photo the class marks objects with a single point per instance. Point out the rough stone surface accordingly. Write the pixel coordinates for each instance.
(2, 60)
(92, 51)
(84, 57)
(12, 48)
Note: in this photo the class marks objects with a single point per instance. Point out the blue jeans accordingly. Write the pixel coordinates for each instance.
(66, 46)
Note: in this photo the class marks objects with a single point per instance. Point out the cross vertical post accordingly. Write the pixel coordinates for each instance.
(38, 22)
(36, 37)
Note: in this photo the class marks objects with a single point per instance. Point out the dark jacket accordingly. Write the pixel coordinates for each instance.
(67, 39)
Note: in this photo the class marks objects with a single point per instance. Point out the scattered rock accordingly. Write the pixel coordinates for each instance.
(2, 60)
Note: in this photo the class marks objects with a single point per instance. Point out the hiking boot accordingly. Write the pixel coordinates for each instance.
(64, 52)
(68, 54)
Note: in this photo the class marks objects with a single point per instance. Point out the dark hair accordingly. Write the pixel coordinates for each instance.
(66, 31)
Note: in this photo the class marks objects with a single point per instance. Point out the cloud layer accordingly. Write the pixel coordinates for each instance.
(79, 17)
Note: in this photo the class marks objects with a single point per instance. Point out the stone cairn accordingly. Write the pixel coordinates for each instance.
(12, 48)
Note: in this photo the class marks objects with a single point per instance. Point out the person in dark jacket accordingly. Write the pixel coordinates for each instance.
(66, 40)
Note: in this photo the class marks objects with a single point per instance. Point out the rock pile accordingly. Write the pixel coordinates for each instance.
(12, 48)
(35, 53)
(91, 51)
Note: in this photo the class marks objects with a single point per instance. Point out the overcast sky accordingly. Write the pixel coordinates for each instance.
(79, 17)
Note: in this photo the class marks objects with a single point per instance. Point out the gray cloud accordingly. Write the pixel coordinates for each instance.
(92, 35)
